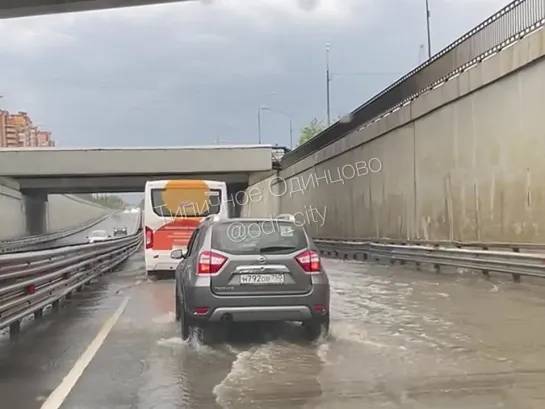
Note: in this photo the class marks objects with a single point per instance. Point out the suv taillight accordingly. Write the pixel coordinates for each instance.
(210, 262)
(149, 238)
(310, 261)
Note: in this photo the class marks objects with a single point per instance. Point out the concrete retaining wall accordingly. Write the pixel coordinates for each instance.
(63, 211)
(66, 211)
(462, 162)
(262, 198)
(12, 215)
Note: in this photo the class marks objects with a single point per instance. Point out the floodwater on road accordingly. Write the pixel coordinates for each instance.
(399, 338)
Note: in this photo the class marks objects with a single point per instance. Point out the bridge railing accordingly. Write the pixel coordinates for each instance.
(29, 282)
(508, 25)
(498, 257)
(22, 243)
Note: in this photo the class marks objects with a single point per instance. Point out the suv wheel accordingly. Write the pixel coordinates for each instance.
(184, 322)
(206, 335)
(316, 327)
(177, 302)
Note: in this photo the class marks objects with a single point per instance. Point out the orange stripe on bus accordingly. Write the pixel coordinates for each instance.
(177, 232)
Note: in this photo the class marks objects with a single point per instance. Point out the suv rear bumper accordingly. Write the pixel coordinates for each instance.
(260, 313)
(297, 307)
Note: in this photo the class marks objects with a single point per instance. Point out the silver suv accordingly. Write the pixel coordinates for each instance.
(243, 270)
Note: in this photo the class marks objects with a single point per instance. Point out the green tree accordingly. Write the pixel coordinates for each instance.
(310, 131)
(106, 200)
(111, 201)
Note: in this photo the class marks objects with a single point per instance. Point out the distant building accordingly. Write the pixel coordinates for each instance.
(45, 140)
(17, 130)
(3, 122)
(19, 133)
(34, 131)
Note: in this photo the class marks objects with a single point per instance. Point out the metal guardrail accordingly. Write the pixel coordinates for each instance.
(11, 245)
(508, 25)
(446, 254)
(516, 247)
(31, 281)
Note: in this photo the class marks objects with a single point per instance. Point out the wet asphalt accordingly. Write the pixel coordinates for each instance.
(400, 338)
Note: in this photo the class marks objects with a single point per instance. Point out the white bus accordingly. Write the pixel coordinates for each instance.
(172, 211)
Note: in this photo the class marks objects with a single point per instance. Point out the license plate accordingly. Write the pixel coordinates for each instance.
(262, 279)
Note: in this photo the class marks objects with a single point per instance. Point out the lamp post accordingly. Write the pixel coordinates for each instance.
(327, 85)
(428, 15)
(259, 117)
(259, 125)
(266, 108)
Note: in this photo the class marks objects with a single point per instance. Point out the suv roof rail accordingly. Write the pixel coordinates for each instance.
(212, 217)
(286, 216)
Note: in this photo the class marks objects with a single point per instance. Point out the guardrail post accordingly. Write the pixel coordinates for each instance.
(15, 328)
(56, 305)
(484, 271)
(38, 314)
(516, 277)
(418, 265)
(403, 262)
(437, 266)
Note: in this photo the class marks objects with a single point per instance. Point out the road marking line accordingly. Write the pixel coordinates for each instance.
(58, 396)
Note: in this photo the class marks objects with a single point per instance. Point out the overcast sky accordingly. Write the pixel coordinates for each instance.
(192, 72)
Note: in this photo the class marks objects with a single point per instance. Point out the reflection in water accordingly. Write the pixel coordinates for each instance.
(399, 339)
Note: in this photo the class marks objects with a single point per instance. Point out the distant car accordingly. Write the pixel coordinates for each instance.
(271, 274)
(126, 211)
(134, 210)
(120, 231)
(98, 235)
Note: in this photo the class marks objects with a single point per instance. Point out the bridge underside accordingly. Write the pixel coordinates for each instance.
(24, 8)
(113, 184)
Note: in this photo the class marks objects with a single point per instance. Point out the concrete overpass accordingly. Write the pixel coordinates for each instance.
(41, 172)
(24, 8)
(54, 171)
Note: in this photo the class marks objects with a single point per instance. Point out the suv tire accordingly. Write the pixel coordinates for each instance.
(185, 326)
(177, 302)
(316, 327)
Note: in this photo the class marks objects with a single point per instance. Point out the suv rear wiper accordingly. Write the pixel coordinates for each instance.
(267, 249)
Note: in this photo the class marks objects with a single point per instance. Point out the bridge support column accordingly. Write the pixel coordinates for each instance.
(237, 198)
(35, 213)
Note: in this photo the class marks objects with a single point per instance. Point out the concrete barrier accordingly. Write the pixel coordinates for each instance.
(63, 211)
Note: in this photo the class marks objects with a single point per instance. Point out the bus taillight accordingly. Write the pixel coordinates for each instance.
(149, 238)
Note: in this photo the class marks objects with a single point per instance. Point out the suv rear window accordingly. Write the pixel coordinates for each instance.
(211, 205)
(264, 236)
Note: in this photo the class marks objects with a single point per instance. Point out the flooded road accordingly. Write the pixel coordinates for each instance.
(400, 339)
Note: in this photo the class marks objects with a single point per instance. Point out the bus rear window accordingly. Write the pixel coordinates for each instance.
(185, 202)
